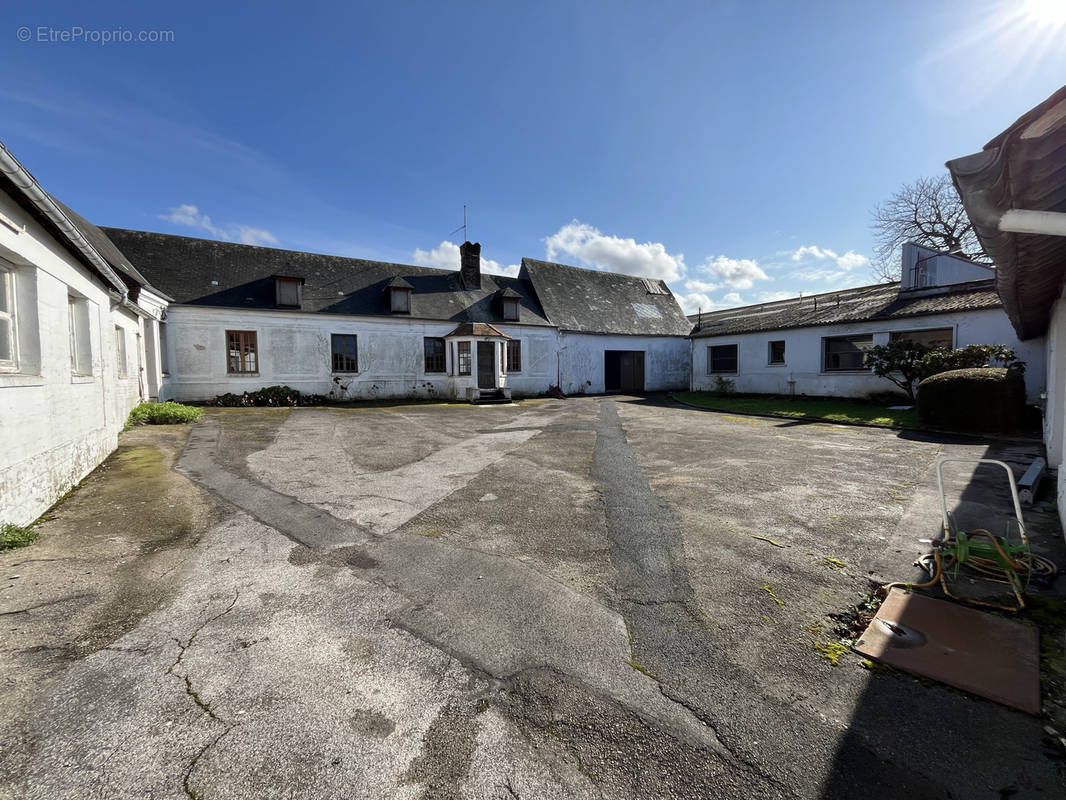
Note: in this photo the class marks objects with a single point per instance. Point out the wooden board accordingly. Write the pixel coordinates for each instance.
(981, 653)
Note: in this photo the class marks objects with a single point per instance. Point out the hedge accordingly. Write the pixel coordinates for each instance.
(168, 413)
(269, 396)
(988, 399)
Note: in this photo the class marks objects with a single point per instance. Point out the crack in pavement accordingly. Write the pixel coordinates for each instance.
(200, 703)
(666, 626)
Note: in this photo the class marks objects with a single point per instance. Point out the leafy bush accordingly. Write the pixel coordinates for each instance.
(168, 413)
(905, 362)
(976, 399)
(724, 385)
(278, 396)
(12, 536)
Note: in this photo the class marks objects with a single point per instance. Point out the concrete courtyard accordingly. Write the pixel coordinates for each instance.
(585, 598)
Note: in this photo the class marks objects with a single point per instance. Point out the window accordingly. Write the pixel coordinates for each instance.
(81, 354)
(655, 286)
(400, 301)
(242, 353)
(722, 358)
(345, 350)
(847, 353)
(288, 292)
(164, 362)
(514, 355)
(777, 352)
(935, 337)
(120, 352)
(510, 308)
(434, 349)
(464, 358)
(8, 331)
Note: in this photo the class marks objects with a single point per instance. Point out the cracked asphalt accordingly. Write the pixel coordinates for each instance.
(590, 598)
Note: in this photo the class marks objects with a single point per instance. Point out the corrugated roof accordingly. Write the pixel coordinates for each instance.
(592, 301)
(861, 304)
(1022, 168)
(205, 272)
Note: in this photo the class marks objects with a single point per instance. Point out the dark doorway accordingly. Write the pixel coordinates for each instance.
(623, 370)
(486, 365)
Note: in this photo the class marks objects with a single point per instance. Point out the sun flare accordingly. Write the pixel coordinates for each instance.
(1046, 12)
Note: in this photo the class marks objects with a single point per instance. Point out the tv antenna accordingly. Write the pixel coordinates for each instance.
(462, 227)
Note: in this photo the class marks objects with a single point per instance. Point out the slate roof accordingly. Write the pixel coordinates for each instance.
(592, 301)
(103, 245)
(863, 304)
(1022, 168)
(205, 272)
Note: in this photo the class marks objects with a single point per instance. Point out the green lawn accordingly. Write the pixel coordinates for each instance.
(835, 410)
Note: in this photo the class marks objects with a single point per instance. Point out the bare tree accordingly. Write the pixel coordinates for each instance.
(928, 212)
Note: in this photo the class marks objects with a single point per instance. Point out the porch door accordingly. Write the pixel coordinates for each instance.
(623, 370)
(486, 365)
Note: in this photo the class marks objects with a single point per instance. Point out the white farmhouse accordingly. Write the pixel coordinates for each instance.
(78, 345)
(245, 317)
(816, 345)
(1014, 191)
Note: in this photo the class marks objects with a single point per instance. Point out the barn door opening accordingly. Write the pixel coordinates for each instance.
(486, 365)
(623, 370)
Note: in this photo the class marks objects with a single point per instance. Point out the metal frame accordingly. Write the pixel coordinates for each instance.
(1010, 480)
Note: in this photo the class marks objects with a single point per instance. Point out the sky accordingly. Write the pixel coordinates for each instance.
(733, 149)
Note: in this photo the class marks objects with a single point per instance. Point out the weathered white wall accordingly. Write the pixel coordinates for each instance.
(803, 355)
(1055, 402)
(56, 427)
(581, 361)
(294, 350)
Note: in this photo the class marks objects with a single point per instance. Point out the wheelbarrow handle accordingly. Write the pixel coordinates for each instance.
(1010, 482)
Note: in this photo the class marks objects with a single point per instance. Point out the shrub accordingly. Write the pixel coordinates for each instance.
(905, 362)
(12, 536)
(168, 413)
(724, 385)
(977, 399)
(278, 396)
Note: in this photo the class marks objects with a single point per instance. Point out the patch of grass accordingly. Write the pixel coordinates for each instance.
(168, 413)
(825, 408)
(833, 563)
(643, 670)
(831, 651)
(770, 541)
(876, 667)
(12, 536)
(770, 591)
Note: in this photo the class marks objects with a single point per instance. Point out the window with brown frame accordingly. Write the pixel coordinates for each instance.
(345, 351)
(464, 358)
(434, 354)
(242, 352)
(514, 355)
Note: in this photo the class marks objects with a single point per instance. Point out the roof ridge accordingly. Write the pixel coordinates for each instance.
(594, 270)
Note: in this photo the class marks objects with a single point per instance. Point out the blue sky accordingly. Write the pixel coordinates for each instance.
(734, 149)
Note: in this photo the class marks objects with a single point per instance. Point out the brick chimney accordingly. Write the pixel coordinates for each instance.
(470, 265)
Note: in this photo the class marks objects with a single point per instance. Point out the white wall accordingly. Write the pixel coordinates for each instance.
(803, 355)
(55, 427)
(1055, 405)
(294, 350)
(581, 361)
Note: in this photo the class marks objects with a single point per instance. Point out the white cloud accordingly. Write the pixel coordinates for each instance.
(588, 246)
(736, 273)
(700, 301)
(446, 256)
(700, 286)
(843, 264)
(191, 216)
(770, 297)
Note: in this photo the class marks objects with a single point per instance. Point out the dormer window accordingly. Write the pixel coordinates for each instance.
(288, 292)
(509, 300)
(399, 296)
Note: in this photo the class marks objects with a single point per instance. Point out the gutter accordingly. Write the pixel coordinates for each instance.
(1047, 223)
(27, 184)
